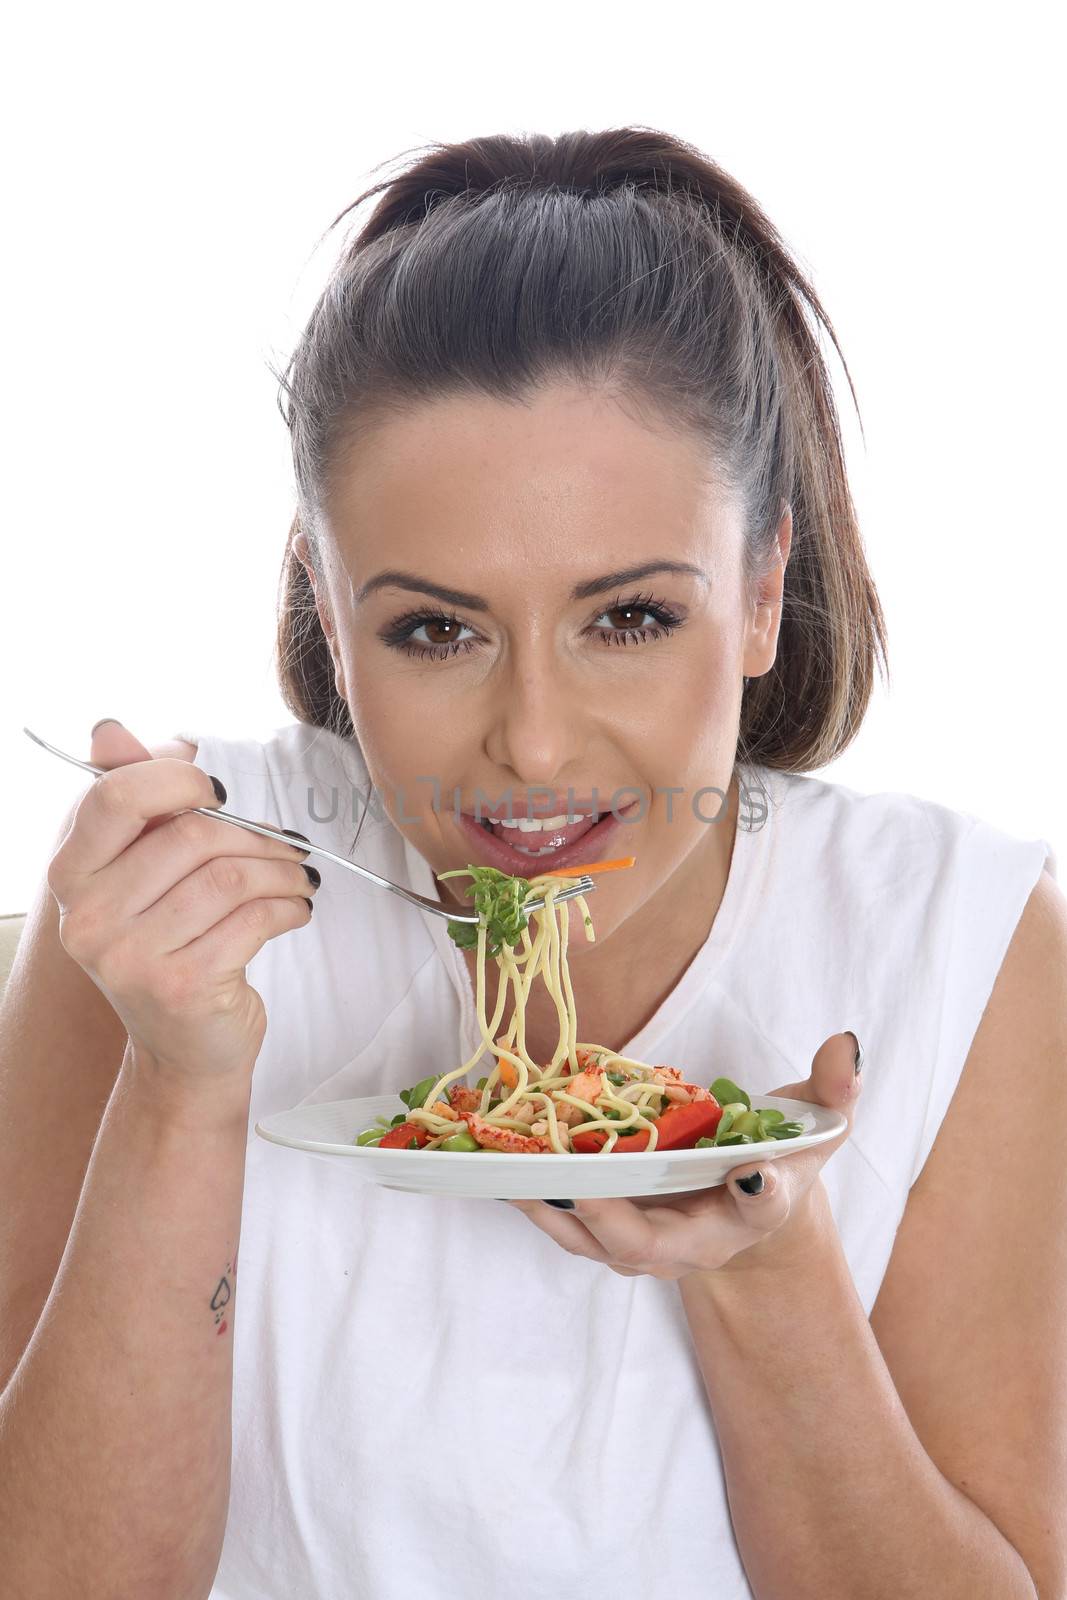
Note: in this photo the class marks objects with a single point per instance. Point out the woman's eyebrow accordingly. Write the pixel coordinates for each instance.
(394, 579)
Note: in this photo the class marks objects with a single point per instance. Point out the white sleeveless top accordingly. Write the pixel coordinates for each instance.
(432, 1400)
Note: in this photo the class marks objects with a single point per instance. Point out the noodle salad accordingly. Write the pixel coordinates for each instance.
(587, 1100)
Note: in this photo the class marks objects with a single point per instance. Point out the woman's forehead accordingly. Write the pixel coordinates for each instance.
(567, 479)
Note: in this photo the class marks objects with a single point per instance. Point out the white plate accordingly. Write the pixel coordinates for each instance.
(328, 1129)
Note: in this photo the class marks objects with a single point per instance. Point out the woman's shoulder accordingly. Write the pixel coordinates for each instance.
(293, 747)
(899, 830)
(299, 777)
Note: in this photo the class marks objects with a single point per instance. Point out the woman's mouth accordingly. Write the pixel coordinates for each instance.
(551, 843)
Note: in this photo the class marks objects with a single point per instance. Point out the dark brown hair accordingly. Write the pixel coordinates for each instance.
(628, 261)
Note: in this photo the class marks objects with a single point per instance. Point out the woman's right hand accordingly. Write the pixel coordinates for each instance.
(164, 908)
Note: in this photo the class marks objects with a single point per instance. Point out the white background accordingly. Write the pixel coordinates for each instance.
(170, 173)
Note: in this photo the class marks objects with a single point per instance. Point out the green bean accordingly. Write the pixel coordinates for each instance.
(460, 1141)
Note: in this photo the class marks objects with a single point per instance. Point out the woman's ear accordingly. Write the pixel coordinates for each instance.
(762, 643)
(302, 551)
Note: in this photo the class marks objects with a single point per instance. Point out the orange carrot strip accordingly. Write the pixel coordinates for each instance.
(594, 866)
(508, 1074)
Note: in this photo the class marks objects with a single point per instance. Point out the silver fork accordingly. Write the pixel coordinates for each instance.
(585, 885)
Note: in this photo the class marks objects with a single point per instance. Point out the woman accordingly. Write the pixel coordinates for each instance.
(573, 522)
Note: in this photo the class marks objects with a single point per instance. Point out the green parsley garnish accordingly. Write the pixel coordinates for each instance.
(498, 900)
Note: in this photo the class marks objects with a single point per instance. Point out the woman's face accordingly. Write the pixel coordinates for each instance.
(523, 600)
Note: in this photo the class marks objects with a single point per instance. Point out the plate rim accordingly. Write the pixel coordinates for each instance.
(723, 1159)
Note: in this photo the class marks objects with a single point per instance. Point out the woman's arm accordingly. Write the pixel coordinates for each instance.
(115, 1428)
(831, 1491)
(924, 1452)
(61, 1047)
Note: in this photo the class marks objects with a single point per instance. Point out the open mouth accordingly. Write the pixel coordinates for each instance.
(541, 837)
(523, 850)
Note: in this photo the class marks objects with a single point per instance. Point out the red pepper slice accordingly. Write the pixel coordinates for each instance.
(400, 1137)
(678, 1129)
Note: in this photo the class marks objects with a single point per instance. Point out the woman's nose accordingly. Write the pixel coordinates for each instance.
(534, 724)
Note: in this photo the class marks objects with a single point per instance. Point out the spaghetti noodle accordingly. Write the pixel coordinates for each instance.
(531, 1109)
(587, 1099)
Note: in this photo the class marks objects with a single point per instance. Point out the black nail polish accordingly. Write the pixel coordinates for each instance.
(752, 1184)
(294, 835)
(308, 903)
(563, 1205)
(220, 790)
(314, 875)
(100, 724)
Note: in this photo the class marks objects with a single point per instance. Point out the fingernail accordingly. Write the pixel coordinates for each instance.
(314, 876)
(308, 903)
(563, 1205)
(220, 790)
(753, 1184)
(294, 835)
(859, 1054)
(100, 724)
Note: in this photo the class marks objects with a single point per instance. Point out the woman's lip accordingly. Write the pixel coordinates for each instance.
(494, 852)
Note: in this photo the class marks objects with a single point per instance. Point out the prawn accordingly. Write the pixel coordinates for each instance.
(675, 1089)
(439, 1109)
(462, 1098)
(586, 1086)
(494, 1138)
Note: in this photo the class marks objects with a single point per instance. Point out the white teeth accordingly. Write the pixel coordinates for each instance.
(521, 850)
(539, 824)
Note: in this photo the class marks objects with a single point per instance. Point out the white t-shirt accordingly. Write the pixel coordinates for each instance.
(432, 1400)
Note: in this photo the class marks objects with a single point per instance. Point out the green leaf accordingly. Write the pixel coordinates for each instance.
(723, 1126)
(414, 1145)
(704, 1144)
(398, 1119)
(726, 1091)
(498, 899)
(414, 1098)
(616, 1077)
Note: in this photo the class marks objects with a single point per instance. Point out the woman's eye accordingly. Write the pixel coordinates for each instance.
(439, 631)
(443, 636)
(626, 616)
(626, 622)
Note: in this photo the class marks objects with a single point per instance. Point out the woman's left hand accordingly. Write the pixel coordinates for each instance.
(707, 1230)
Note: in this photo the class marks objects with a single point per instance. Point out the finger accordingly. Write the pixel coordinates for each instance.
(207, 896)
(770, 1208)
(661, 1239)
(699, 1230)
(113, 813)
(564, 1228)
(150, 867)
(646, 1236)
(223, 952)
(834, 1081)
(113, 745)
